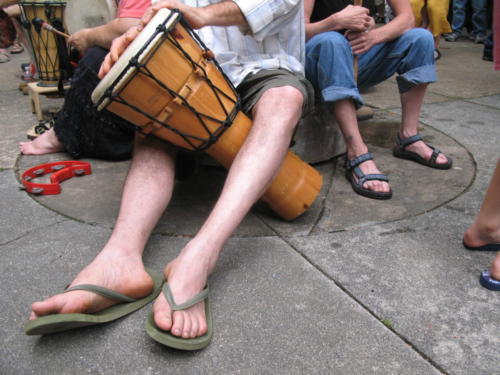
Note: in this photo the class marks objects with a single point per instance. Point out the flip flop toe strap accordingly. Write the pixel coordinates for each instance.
(183, 306)
(105, 292)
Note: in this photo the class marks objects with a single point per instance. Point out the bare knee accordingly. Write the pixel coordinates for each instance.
(282, 100)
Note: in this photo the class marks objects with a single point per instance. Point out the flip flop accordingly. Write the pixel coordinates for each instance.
(489, 282)
(62, 322)
(401, 152)
(352, 167)
(488, 247)
(167, 339)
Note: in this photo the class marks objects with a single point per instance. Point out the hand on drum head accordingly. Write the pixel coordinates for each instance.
(117, 47)
(192, 15)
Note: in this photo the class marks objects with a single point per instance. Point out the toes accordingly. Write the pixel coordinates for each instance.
(162, 314)
(52, 305)
(178, 325)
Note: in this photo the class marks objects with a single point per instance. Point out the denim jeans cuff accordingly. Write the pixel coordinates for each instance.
(415, 77)
(336, 93)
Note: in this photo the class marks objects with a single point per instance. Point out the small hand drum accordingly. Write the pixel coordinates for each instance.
(168, 84)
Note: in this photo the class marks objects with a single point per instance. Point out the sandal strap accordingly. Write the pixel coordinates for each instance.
(375, 176)
(435, 153)
(405, 142)
(183, 306)
(105, 292)
(350, 164)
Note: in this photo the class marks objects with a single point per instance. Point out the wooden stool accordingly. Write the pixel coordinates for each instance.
(34, 94)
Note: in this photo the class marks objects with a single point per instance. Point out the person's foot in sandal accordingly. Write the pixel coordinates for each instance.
(46, 143)
(111, 269)
(365, 178)
(186, 276)
(414, 148)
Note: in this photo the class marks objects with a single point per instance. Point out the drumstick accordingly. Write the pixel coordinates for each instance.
(355, 62)
(41, 24)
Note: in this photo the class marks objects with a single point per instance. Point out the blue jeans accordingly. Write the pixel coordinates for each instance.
(479, 15)
(329, 64)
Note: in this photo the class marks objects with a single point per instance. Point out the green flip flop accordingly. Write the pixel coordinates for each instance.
(167, 339)
(62, 322)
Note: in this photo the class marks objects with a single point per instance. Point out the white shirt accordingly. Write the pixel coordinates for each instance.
(274, 38)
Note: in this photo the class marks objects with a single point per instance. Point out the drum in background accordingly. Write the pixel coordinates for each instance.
(168, 84)
(81, 14)
(51, 53)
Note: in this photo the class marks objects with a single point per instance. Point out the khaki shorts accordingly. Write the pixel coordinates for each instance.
(255, 84)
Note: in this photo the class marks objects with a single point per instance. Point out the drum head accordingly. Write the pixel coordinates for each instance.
(89, 13)
(132, 50)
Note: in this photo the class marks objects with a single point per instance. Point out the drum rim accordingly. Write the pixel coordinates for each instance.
(121, 72)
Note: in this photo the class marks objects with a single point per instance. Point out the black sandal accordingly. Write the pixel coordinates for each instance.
(352, 166)
(39, 129)
(401, 152)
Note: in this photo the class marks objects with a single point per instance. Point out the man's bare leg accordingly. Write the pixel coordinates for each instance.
(119, 265)
(46, 143)
(486, 226)
(274, 119)
(411, 103)
(345, 113)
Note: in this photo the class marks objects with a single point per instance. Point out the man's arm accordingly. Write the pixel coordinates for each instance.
(225, 13)
(350, 18)
(101, 35)
(403, 21)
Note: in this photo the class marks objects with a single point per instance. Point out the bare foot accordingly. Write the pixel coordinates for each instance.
(426, 152)
(123, 274)
(480, 235)
(187, 276)
(45, 143)
(369, 167)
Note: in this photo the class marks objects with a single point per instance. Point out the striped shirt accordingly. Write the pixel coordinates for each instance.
(273, 38)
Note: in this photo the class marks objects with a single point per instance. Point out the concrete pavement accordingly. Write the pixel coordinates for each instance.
(354, 286)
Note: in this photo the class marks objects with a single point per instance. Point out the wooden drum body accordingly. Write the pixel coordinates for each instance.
(169, 85)
(49, 49)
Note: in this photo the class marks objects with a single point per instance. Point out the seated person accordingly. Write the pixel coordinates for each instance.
(260, 47)
(78, 128)
(334, 35)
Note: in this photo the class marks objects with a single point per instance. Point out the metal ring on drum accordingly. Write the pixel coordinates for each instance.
(168, 84)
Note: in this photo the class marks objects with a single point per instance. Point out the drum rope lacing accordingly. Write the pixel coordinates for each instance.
(212, 136)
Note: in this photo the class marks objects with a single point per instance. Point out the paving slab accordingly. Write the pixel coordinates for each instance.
(416, 276)
(273, 313)
(16, 203)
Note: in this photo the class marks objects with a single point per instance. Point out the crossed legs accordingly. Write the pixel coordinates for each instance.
(146, 194)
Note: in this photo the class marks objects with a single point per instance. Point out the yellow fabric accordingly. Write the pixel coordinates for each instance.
(436, 12)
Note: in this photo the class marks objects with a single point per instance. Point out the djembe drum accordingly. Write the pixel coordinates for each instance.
(50, 50)
(168, 84)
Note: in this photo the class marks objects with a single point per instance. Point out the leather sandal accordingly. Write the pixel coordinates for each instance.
(401, 152)
(352, 169)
